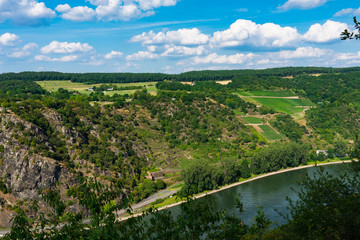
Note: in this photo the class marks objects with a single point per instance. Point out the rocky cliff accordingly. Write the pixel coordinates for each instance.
(22, 172)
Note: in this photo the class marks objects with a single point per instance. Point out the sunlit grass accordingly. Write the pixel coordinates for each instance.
(269, 133)
(275, 93)
(83, 88)
(253, 120)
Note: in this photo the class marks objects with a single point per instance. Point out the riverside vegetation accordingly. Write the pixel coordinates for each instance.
(88, 154)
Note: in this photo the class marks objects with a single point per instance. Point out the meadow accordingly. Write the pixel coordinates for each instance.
(280, 100)
(285, 105)
(238, 112)
(83, 88)
(269, 133)
(253, 120)
(275, 93)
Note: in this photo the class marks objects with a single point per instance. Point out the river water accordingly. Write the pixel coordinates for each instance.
(269, 192)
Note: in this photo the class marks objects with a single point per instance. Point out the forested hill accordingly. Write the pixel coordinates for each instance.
(155, 77)
(55, 135)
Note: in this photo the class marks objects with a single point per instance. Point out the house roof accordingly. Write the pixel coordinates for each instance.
(158, 174)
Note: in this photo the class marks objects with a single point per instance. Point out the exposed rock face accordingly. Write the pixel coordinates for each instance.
(28, 156)
(5, 218)
(25, 175)
(56, 121)
(22, 173)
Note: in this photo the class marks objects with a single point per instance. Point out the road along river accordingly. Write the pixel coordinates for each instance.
(268, 192)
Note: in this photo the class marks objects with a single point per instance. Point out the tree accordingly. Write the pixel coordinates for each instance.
(328, 208)
(231, 170)
(350, 35)
(245, 169)
(340, 147)
(102, 201)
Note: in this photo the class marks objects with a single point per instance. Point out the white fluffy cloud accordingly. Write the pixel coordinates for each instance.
(179, 51)
(113, 54)
(327, 32)
(76, 14)
(348, 56)
(182, 37)
(142, 55)
(245, 32)
(348, 11)
(151, 4)
(183, 43)
(25, 12)
(303, 52)
(30, 47)
(67, 58)
(65, 47)
(24, 51)
(9, 39)
(179, 43)
(302, 4)
(214, 58)
(113, 10)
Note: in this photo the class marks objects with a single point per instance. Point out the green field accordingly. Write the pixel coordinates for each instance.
(237, 112)
(269, 133)
(253, 120)
(277, 93)
(83, 88)
(285, 105)
(260, 137)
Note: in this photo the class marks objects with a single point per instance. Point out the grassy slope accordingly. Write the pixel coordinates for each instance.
(289, 106)
(279, 101)
(269, 133)
(82, 88)
(278, 93)
(252, 120)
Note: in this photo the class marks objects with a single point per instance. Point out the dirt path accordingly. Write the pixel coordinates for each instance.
(256, 126)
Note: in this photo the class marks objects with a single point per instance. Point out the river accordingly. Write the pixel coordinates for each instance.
(269, 192)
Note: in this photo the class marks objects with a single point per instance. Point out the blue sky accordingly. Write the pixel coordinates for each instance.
(174, 36)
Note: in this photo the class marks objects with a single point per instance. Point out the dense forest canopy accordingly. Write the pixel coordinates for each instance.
(207, 75)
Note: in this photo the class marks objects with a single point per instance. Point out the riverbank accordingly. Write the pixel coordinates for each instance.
(200, 195)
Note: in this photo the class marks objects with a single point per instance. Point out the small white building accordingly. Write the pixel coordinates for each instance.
(321, 151)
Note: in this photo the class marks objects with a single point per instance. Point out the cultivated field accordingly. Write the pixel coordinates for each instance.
(252, 120)
(222, 82)
(280, 100)
(277, 93)
(285, 105)
(284, 101)
(269, 133)
(83, 88)
(238, 112)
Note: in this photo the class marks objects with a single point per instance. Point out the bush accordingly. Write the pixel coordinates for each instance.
(160, 184)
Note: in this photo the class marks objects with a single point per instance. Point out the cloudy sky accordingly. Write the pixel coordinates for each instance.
(174, 36)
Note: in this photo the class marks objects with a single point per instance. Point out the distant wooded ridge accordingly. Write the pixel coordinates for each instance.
(205, 75)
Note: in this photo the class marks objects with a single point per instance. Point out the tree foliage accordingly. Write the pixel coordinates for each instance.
(328, 208)
(346, 34)
(278, 156)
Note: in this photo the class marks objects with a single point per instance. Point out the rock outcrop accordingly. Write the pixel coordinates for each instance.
(23, 173)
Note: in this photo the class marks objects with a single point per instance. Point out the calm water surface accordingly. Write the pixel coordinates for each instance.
(269, 192)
